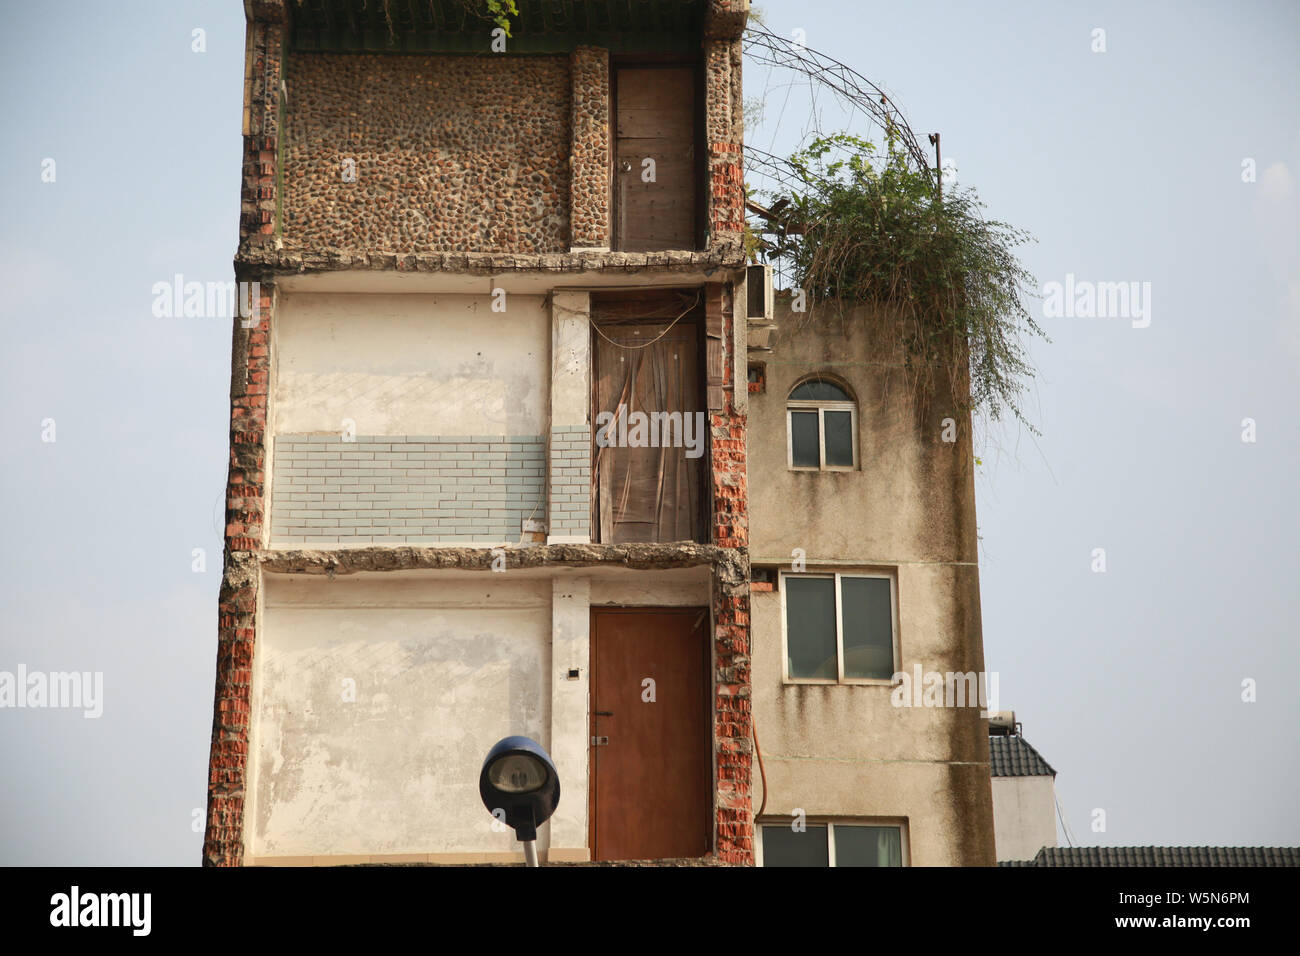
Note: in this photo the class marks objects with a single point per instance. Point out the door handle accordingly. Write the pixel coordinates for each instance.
(599, 741)
(603, 713)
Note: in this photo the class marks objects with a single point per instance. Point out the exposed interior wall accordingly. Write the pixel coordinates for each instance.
(445, 663)
(1024, 815)
(909, 509)
(676, 587)
(412, 365)
(589, 208)
(451, 153)
(455, 489)
(442, 670)
(569, 446)
(570, 681)
(395, 422)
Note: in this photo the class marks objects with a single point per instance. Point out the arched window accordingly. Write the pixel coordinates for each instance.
(822, 424)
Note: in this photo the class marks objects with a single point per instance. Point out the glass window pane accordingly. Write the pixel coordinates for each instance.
(804, 443)
(839, 438)
(864, 846)
(785, 847)
(819, 392)
(810, 627)
(868, 627)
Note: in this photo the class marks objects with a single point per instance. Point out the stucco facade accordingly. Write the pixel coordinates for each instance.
(1024, 816)
(905, 511)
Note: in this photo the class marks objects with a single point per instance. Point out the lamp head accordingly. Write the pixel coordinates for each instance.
(519, 778)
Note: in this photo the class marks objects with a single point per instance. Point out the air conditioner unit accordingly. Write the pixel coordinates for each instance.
(758, 293)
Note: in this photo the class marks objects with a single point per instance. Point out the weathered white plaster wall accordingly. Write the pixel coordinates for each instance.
(412, 364)
(445, 663)
(443, 669)
(570, 650)
(571, 361)
(675, 587)
(1024, 816)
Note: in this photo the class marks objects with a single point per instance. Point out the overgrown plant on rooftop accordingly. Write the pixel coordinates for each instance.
(856, 225)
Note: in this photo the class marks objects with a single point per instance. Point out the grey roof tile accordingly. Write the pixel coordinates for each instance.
(1013, 757)
(1109, 856)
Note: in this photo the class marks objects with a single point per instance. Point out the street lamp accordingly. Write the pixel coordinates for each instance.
(519, 779)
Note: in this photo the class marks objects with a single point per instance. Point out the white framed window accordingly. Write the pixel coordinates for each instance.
(831, 842)
(821, 420)
(840, 627)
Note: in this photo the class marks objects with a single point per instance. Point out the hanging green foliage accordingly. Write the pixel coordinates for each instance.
(856, 227)
(501, 11)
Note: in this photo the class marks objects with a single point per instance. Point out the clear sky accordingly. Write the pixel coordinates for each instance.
(1126, 165)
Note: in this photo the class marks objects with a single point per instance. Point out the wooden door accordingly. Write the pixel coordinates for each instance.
(645, 352)
(655, 203)
(650, 759)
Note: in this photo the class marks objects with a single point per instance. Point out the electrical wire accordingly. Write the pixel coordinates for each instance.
(1060, 814)
(646, 345)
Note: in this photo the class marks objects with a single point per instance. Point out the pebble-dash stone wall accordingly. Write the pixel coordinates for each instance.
(452, 153)
(405, 488)
(570, 481)
(590, 184)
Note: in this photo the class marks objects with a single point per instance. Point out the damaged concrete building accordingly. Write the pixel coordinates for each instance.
(488, 465)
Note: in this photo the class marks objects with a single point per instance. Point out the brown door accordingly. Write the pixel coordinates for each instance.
(655, 201)
(650, 758)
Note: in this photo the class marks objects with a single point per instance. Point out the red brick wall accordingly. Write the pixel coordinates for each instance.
(730, 529)
(727, 208)
(257, 217)
(237, 603)
(223, 844)
(723, 128)
(227, 769)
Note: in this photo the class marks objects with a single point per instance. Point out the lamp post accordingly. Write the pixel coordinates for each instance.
(519, 779)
